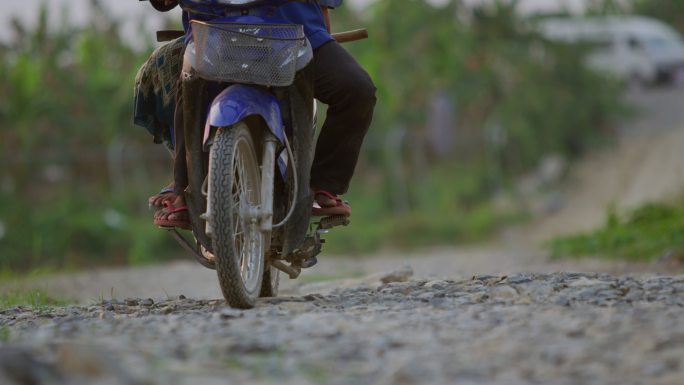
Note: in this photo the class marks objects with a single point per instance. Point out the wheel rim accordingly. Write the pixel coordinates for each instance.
(247, 236)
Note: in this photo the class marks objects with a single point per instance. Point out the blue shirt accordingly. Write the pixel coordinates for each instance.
(306, 13)
(330, 3)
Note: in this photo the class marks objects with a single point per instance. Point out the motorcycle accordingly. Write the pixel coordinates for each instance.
(248, 113)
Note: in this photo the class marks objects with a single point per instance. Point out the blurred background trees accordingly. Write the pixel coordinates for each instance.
(669, 11)
(469, 101)
(73, 167)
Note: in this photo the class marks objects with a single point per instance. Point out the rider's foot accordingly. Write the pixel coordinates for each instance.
(166, 194)
(174, 214)
(326, 204)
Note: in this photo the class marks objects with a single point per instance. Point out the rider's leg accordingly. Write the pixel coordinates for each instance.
(196, 92)
(171, 212)
(155, 94)
(349, 92)
(167, 193)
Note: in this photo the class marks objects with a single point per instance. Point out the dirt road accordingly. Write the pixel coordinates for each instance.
(646, 164)
(521, 329)
(494, 314)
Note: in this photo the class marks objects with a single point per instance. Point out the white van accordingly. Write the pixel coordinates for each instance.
(638, 50)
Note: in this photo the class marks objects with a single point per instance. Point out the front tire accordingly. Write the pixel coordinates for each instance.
(234, 203)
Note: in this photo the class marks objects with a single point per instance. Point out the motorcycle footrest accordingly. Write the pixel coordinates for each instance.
(292, 271)
(333, 221)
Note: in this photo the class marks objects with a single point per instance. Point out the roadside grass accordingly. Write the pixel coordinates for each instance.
(417, 229)
(441, 206)
(449, 206)
(10, 275)
(13, 292)
(35, 298)
(646, 233)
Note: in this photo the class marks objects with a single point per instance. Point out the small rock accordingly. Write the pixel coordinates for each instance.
(230, 313)
(562, 301)
(518, 279)
(587, 294)
(485, 277)
(584, 282)
(653, 368)
(402, 274)
(652, 285)
(311, 297)
(437, 284)
(504, 291)
(426, 297)
(147, 302)
(182, 297)
(439, 302)
(480, 298)
(131, 302)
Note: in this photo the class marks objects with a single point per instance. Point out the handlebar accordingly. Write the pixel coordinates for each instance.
(349, 36)
(340, 37)
(168, 35)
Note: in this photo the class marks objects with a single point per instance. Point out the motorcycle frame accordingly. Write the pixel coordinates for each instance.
(295, 107)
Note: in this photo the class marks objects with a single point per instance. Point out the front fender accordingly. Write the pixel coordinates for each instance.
(239, 101)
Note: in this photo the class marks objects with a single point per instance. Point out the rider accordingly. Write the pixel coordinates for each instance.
(340, 82)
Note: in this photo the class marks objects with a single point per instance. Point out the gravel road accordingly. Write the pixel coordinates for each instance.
(525, 323)
(560, 328)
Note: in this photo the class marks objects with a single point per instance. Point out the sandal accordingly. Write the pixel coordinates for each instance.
(164, 195)
(162, 219)
(327, 204)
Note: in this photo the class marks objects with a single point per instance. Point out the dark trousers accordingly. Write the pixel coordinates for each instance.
(349, 92)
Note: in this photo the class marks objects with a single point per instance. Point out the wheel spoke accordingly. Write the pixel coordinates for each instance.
(242, 207)
(242, 226)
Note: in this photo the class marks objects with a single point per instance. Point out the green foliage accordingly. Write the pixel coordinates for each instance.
(71, 198)
(74, 231)
(517, 96)
(648, 232)
(33, 298)
(76, 173)
(498, 71)
(452, 212)
(670, 11)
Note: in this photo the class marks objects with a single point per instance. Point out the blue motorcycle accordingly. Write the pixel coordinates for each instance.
(248, 114)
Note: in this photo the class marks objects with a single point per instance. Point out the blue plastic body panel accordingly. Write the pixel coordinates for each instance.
(239, 101)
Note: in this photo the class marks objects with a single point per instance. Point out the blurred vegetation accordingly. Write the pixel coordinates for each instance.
(652, 231)
(73, 174)
(669, 11)
(36, 298)
(516, 99)
(76, 173)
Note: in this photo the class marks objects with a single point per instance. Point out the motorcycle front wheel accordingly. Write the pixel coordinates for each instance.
(234, 203)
